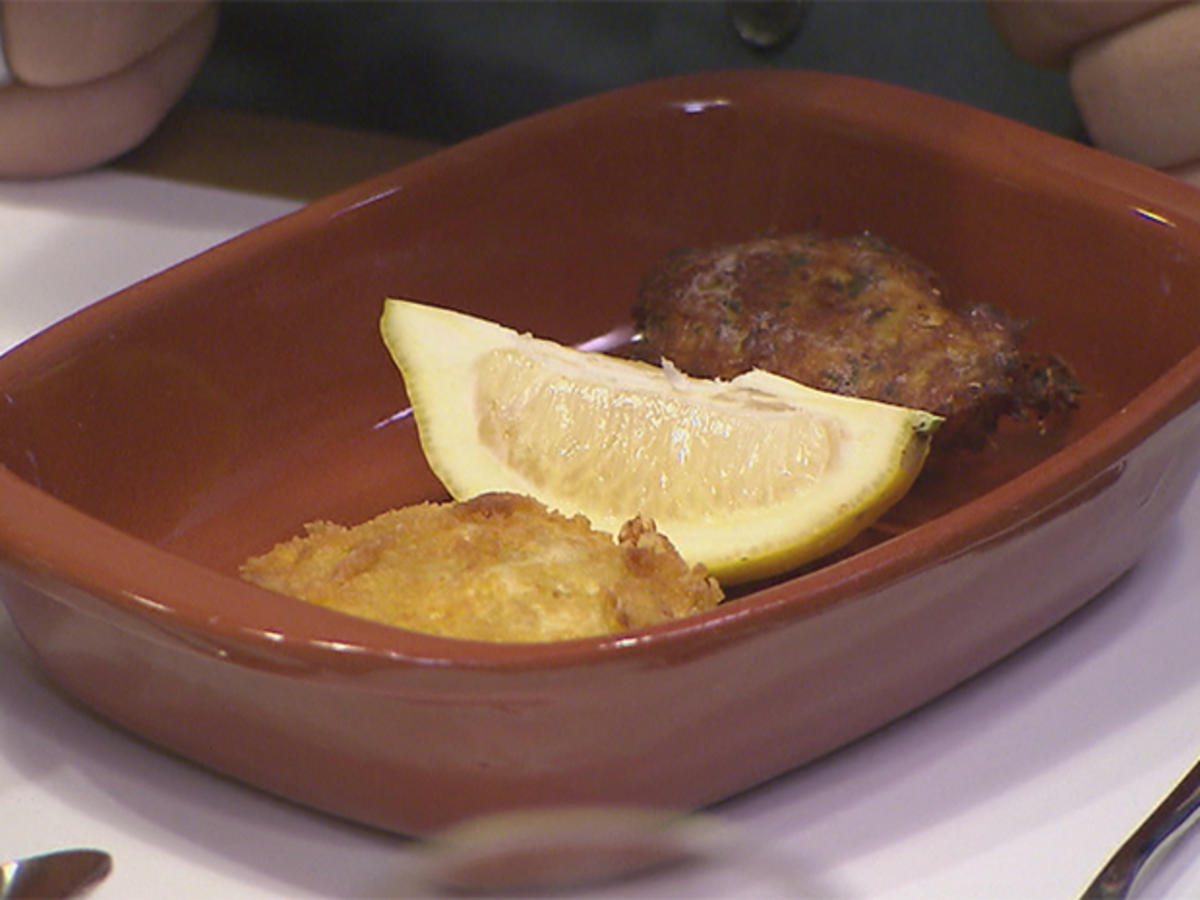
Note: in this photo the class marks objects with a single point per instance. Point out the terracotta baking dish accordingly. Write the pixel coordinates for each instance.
(154, 440)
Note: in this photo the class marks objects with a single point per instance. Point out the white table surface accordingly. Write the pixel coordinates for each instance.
(1016, 785)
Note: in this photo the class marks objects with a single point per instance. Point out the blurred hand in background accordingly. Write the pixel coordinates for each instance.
(82, 81)
(1134, 69)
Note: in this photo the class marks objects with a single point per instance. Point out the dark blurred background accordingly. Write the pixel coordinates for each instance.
(446, 70)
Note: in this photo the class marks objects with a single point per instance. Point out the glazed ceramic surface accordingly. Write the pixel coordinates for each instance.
(156, 439)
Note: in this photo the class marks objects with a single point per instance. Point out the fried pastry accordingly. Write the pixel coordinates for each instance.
(499, 567)
(851, 315)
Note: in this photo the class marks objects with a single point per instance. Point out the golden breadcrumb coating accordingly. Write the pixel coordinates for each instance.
(500, 567)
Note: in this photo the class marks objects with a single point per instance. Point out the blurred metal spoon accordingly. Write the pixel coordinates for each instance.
(566, 848)
(53, 876)
(1177, 811)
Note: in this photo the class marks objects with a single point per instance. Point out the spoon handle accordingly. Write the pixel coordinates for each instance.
(53, 876)
(1169, 820)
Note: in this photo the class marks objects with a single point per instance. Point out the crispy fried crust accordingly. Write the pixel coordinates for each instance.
(500, 567)
(850, 315)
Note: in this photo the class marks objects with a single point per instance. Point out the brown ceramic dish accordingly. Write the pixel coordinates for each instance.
(154, 440)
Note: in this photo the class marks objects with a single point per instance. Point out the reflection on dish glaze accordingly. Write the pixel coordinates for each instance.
(691, 107)
(339, 646)
(614, 339)
(1153, 216)
(366, 201)
(395, 417)
(149, 604)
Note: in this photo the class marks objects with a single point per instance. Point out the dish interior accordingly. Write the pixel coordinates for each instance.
(212, 410)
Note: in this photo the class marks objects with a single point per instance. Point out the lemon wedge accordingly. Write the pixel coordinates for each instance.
(750, 477)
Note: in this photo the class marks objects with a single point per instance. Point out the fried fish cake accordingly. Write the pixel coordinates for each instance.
(850, 315)
(500, 567)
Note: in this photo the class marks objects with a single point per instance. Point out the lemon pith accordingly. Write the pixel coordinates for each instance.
(750, 477)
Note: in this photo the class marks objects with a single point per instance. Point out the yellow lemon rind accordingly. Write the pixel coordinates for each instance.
(435, 350)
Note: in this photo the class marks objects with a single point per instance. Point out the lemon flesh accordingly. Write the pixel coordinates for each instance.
(750, 477)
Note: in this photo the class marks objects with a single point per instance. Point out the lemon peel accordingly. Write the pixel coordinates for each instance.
(750, 477)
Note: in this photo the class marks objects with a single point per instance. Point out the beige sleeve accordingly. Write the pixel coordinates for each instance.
(1134, 69)
(59, 43)
(1138, 89)
(1047, 32)
(50, 129)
